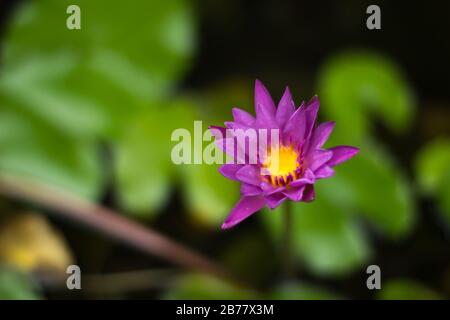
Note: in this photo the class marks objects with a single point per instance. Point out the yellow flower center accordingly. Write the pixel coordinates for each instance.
(282, 166)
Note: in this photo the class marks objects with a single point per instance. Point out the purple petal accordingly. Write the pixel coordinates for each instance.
(243, 117)
(321, 134)
(341, 154)
(221, 141)
(218, 132)
(294, 193)
(250, 190)
(269, 189)
(294, 130)
(311, 115)
(249, 174)
(286, 108)
(229, 170)
(243, 209)
(272, 190)
(264, 106)
(230, 147)
(309, 194)
(324, 172)
(308, 178)
(318, 158)
(275, 200)
(236, 126)
(242, 133)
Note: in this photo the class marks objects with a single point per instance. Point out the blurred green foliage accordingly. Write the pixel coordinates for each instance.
(63, 91)
(16, 285)
(199, 286)
(405, 289)
(301, 291)
(196, 286)
(432, 169)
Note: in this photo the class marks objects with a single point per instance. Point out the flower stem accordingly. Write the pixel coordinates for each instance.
(288, 267)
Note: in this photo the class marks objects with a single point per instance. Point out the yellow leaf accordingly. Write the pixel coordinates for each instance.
(29, 242)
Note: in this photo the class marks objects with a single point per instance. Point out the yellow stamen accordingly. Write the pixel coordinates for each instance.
(282, 165)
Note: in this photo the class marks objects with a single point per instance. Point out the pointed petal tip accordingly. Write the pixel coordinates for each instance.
(259, 85)
(313, 102)
(245, 207)
(226, 226)
(243, 117)
(264, 106)
(287, 96)
(352, 151)
(260, 88)
(342, 154)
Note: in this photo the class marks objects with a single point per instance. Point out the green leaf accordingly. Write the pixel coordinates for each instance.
(62, 90)
(380, 192)
(444, 196)
(326, 239)
(15, 285)
(88, 81)
(432, 170)
(203, 287)
(403, 289)
(29, 148)
(301, 291)
(431, 164)
(355, 84)
(209, 195)
(144, 166)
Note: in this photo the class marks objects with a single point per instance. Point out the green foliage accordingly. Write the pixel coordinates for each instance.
(432, 169)
(15, 285)
(198, 287)
(380, 191)
(209, 196)
(29, 147)
(63, 91)
(403, 289)
(431, 164)
(353, 85)
(144, 167)
(326, 239)
(301, 291)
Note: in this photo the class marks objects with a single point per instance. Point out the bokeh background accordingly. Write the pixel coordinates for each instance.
(85, 123)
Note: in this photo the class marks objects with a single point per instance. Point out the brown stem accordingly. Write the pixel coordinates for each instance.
(108, 222)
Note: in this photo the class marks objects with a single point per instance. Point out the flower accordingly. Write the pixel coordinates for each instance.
(289, 168)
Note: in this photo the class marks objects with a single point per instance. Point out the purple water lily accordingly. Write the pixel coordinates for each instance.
(301, 160)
